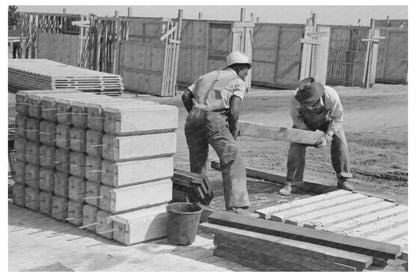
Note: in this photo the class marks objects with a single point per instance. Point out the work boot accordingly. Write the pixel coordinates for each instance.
(242, 211)
(287, 189)
(344, 184)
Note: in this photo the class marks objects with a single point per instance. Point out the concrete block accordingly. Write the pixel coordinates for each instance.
(93, 142)
(77, 139)
(20, 148)
(59, 208)
(32, 152)
(116, 200)
(155, 118)
(92, 193)
(32, 129)
(20, 172)
(32, 198)
(62, 160)
(45, 202)
(63, 135)
(32, 176)
(47, 132)
(49, 105)
(79, 116)
(61, 184)
(141, 225)
(77, 164)
(105, 225)
(47, 156)
(138, 146)
(76, 189)
(20, 121)
(47, 179)
(74, 213)
(34, 108)
(18, 192)
(96, 111)
(118, 174)
(93, 168)
(89, 217)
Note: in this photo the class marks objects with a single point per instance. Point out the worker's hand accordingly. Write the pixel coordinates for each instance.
(235, 133)
(325, 139)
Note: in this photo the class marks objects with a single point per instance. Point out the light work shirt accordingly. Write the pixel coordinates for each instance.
(214, 90)
(332, 104)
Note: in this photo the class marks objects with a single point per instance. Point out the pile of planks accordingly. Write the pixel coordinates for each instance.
(191, 187)
(42, 74)
(267, 245)
(100, 163)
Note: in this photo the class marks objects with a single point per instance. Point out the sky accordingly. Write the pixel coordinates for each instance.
(330, 15)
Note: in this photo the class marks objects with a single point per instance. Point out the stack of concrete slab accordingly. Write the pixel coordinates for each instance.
(100, 163)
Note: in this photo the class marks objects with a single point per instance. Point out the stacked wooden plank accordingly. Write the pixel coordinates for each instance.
(191, 187)
(36, 74)
(97, 162)
(352, 214)
(267, 245)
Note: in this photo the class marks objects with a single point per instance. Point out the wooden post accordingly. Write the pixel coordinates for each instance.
(129, 11)
(243, 14)
(63, 11)
(373, 63)
(388, 21)
(200, 15)
(177, 46)
(116, 39)
(367, 54)
(252, 17)
(258, 19)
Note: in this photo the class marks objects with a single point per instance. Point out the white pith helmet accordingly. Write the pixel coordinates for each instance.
(237, 57)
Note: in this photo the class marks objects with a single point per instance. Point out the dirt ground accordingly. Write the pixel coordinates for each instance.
(376, 126)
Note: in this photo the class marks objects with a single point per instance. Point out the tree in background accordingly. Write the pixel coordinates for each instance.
(14, 17)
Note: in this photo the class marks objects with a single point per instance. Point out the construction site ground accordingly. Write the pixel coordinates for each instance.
(376, 126)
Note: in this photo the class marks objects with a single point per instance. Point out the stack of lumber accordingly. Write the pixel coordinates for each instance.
(352, 214)
(191, 187)
(97, 162)
(267, 245)
(42, 74)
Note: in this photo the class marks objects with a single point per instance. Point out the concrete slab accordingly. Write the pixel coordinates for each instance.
(45, 202)
(62, 160)
(77, 165)
(138, 146)
(76, 189)
(104, 227)
(61, 184)
(32, 177)
(92, 193)
(18, 192)
(20, 121)
(63, 135)
(93, 168)
(59, 208)
(77, 139)
(34, 107)
(156, 118)
(141, 225)
(32, 198)
(94, 142)
(74, 213)
(117, 200)
(47, 132)
(47, 156)
(32, 129)
(118, 174)
(20, 175)
(49, 107)
(20, 148)
(32, 152)
(89, 217)
(47, 179)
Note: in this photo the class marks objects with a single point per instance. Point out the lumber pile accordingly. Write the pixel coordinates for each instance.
(191, 187)
(274, 246)
(100, 163)
(43, 74)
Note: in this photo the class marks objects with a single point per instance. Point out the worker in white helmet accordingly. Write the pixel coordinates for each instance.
(213, 103)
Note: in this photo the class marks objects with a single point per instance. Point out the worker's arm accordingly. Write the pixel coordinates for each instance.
(187, 99)
(335, 112)
(233, 114)
(294, 113)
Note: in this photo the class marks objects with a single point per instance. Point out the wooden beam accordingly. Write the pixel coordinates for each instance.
(380, 250)
(279, 133)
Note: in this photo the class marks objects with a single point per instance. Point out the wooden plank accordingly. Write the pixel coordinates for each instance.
(285, 216)
(292, 252)
(331, 219)
(367, 218)
(358, 245)
(278, 133)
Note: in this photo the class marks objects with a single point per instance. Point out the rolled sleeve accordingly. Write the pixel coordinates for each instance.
(336, 113)
(239, 88)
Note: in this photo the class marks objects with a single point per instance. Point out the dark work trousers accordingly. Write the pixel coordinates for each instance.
(339, 158)
(204, 128)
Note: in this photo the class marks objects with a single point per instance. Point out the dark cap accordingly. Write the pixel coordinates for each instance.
(309, 91)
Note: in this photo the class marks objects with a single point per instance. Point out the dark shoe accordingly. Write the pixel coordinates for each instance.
(242, 211)
(343, 184)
